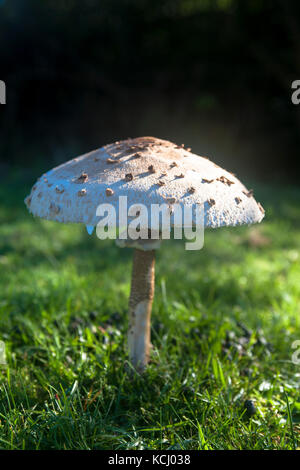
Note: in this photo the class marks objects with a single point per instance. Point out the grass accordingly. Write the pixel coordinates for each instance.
(224, 322)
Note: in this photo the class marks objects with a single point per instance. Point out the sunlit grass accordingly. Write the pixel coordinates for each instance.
(224, 321)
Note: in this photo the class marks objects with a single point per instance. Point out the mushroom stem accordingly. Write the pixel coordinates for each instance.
(140, 305)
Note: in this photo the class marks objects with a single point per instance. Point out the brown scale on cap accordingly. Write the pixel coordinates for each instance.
(151, 169)
(54, 208)
(129, 177)
(137, 155)
(45, 179)
(211, 202)
(82, 192)
(111, 160)
(138, 147)
(248, 193)
(173, 164)
(238, 200)
(109, 192)
(225, 180)
(134, 148)
(83, 178)
(96, 159)
(204, 180)
(39, 195)
(171, 200)
(161, 183)
(191, 190)
(34, 188)
(180, 176)
(262, 210)
(49, 185)
(59, 190)
(28, 200)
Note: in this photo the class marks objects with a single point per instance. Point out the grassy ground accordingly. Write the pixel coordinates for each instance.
(224, 321)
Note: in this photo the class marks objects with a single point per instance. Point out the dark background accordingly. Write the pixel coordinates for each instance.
(213, 74)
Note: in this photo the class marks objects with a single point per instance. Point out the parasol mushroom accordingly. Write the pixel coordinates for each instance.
(148, 171)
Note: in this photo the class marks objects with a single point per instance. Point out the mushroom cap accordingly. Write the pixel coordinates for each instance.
(148, 171)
